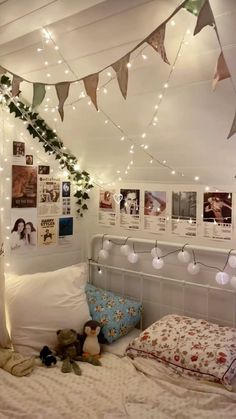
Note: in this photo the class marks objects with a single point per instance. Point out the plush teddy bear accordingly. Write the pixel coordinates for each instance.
(69, 348)
(47, 357)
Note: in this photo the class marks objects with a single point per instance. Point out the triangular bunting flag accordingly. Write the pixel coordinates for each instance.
(62, 90)
(16, 85)
(91, 84)
(121, 69)
(205, 17)
(156, 40)
(221, 71)
(193, 6)
(39, 94)
(233, 128)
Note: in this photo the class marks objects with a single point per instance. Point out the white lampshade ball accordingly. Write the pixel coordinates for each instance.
(222, 278)
(103, 254)
(232, 261)
(156, 252)
(184, 256)
(133, 257)
(233, 281)
(157, 263)
(193, 268)
(107, 245)
(125, 249)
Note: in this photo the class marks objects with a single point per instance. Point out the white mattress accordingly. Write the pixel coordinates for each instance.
(121, 388)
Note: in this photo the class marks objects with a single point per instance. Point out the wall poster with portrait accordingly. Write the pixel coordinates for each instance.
(154, 211)
(23, 238)
(107, 207)
(47, 232)
(66, 199)
(130, 209)
(217, 215)
(184, 213)
(49, 196)
(24, 186)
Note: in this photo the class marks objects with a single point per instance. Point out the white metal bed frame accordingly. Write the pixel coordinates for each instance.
(143, 278)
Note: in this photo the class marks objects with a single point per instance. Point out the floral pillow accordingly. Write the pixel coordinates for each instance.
(117, 315)
(191, 346)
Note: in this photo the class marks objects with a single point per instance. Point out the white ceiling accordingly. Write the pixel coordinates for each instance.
(193, 121)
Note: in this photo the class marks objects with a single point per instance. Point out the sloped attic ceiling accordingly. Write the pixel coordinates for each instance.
(193, 121)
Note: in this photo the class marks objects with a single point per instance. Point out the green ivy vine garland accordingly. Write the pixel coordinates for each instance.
(38, 128)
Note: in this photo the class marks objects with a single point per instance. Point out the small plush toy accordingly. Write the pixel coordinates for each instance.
(91, 346)
(68, 349)
(47, 357)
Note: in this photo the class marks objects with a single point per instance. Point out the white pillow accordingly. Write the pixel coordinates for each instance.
(40, 304)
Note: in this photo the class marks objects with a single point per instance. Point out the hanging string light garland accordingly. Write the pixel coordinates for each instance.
(38, 128)
(193, 267)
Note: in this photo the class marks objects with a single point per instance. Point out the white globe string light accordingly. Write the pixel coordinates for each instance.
(156, 252)
(125, 249)
(193, 268)
(157, 263)
(232, 261)
(107, 245)
(184, 256)
(222, 278)
(103, 254)
(133, 257)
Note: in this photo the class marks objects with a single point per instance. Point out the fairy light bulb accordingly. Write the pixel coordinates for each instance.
(222, 278)
(184, 256)
(193, 268)
(156, 252)
(157, 263)
(107, 245)
(133, 257)
(103, 254)
(125, 249)
(232, 261)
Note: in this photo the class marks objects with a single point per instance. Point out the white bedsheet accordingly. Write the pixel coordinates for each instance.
(121, 388)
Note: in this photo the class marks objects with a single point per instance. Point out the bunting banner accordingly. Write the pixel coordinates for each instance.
(62, 90)
(233, 128)
(205, 17)
(156, 40)
(221, 71)
(39, 94)
(121, 69)
(16, 85)
(91, 84)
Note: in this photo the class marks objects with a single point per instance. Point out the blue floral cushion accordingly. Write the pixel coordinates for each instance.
(117, 315)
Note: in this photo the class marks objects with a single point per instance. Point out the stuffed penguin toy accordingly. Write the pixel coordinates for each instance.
(91, 345)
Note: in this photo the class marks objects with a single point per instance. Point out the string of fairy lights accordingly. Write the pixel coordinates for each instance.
(184, 256)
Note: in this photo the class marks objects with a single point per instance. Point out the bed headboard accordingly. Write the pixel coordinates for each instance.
(169, 290)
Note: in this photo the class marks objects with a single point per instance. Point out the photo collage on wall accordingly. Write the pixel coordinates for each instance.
(41, 204)
(152, 214)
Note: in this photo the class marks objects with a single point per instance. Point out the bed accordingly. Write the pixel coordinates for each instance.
(133, 381)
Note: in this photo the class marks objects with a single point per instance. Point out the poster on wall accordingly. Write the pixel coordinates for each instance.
(49, 202)
(66, 200)
(130, 209)
(47, 233)
(23, 237)
(24, 186)
(155, 211)
(217, 215)
(65, 231)
(184, 213)
(107, 207)
(18, 149)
